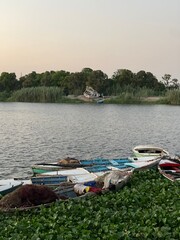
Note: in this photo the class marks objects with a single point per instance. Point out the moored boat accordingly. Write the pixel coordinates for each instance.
(149, 151)
(100, 100)
(45, 167)
(90, 173)
(8, 185)
(54, 178)
(67, 163)
(144, 163)
(170, 168)
(33, 196)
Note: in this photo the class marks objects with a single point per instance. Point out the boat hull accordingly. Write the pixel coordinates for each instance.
(170, 169)
(48, 167)
(7, 186)
(90, 173)
(149, 151)
(44, 167)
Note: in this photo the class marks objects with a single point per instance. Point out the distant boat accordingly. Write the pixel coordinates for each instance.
(92, 94)
(149, 151)
(100, 100)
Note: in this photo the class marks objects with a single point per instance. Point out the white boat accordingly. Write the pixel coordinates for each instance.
(91, 93)
(144, 163)
(149, 151)
(9, 185)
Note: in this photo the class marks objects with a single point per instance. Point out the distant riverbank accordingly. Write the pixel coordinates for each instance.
(55, 95)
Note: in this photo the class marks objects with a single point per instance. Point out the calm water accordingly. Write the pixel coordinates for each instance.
(32, 133)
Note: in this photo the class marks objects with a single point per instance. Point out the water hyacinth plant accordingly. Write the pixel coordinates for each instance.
(148, 207)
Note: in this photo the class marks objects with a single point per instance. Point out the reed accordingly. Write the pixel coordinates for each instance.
(136, 91)
(172, 97)
(125, 98)
(38, 94)
(130, 95)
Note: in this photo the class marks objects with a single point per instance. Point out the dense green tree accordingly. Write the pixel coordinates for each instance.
(75, 83)
(87, 70)
(8, 82)
(58, 78)
(123, 77)
(147, 80)
(30, 80)
(140, 78)
(45, 79)
(98, 80)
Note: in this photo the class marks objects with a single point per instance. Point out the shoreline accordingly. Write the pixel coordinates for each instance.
(111, 99)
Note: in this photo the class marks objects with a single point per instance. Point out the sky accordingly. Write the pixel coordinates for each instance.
(106, 35)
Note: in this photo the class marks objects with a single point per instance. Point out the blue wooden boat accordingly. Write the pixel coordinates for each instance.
(90, 173)
(56, 177)
(120, 163)
(56, 166)
(49, 180)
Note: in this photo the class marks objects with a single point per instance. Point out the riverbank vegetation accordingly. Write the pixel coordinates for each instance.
(148, 207)
(55, 86)
(172, 97)
(41, 94)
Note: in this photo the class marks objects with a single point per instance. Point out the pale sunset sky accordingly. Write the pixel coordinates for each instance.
(45, 35)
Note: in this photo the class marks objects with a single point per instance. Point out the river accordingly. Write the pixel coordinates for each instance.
(40, 132)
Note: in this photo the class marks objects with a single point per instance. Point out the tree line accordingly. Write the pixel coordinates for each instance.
(75, 83)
